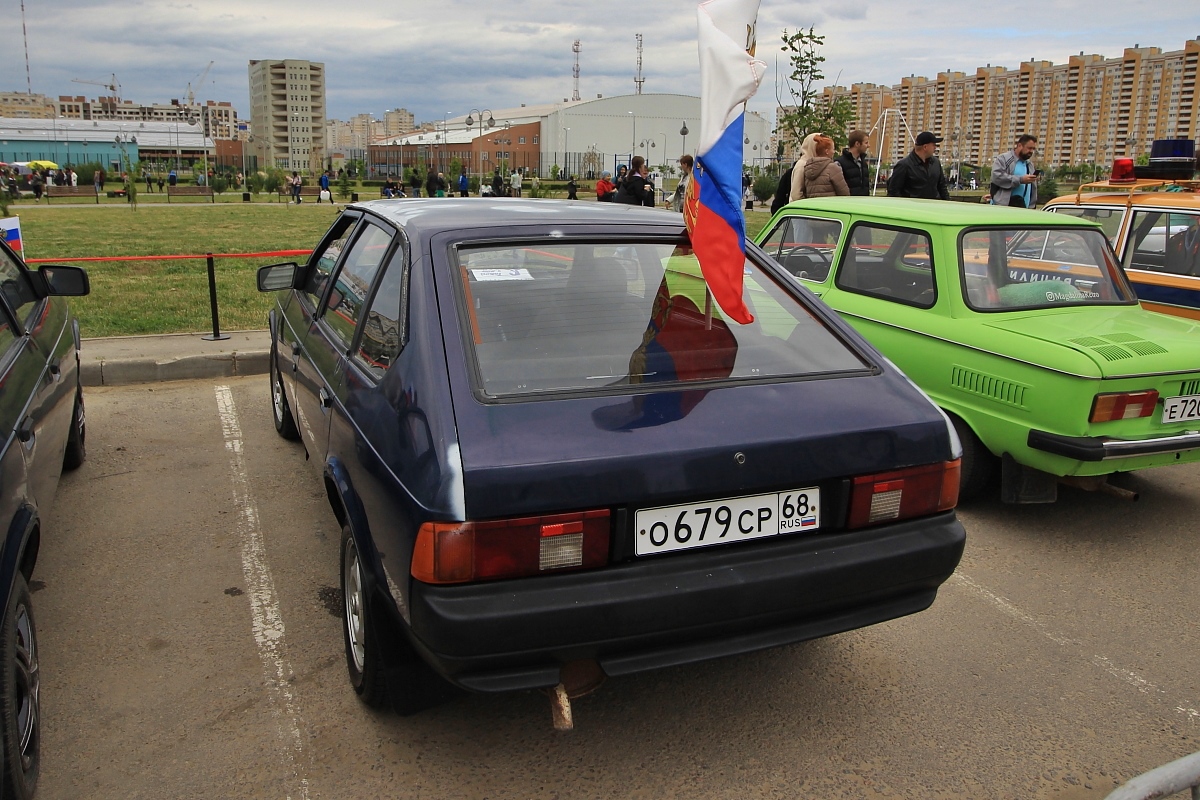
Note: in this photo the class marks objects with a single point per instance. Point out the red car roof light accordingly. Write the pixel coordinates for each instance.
(460, 552)
(1122, 171)
(903, 494)
(1111, 406)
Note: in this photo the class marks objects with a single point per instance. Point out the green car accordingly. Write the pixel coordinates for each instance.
(1019, 324)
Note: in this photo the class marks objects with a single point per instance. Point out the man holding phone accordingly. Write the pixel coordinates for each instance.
(1014, 181)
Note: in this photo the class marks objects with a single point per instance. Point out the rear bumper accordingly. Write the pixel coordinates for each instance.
(682, 608)
(1093, 448)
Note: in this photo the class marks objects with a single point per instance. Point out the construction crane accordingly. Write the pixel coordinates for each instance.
(112, 85)
(191, 96)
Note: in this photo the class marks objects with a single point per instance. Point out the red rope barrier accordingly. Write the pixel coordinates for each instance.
(271, 254)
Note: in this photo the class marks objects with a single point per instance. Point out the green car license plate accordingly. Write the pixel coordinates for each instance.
(1181, 409)
(683, 527)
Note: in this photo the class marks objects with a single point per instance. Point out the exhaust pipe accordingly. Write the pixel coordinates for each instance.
(576, 679)
(1098, 483)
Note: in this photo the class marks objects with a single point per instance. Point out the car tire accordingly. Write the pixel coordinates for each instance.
(281, 412)
(363, 657)
(19, 704)
(978, 469)
(76, 452)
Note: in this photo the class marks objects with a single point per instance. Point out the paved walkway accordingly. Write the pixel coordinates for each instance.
(173, 357)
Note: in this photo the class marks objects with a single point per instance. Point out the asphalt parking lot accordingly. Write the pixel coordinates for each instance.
(191, 642)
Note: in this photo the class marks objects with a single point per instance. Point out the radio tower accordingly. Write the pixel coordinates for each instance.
(638, 80)
(576, 48)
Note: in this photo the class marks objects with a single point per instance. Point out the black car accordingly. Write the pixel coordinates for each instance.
(554, 459)
(42, 420)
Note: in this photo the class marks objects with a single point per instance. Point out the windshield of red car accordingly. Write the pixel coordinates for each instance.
(1019, 268)
(617, 317)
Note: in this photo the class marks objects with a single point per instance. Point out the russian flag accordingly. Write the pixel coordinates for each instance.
(10, 230)
(729, 76)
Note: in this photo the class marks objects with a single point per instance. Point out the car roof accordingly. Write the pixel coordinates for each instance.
(934, 212)
(1163, 199)
(423, 216)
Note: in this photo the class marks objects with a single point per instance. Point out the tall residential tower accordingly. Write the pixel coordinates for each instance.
(287, 113)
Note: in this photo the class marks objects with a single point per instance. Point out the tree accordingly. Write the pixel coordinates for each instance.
(808, 111)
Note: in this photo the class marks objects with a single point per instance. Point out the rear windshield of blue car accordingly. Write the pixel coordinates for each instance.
(585, 317)
(1019, 268)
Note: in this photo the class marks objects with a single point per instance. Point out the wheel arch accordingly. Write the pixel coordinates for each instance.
(21, 545)
(349, 511)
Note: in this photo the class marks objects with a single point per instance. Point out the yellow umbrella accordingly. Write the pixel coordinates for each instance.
(43, 165)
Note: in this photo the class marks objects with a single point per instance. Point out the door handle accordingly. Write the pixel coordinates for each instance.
(56, 370)
(25, 432)
(326, 399)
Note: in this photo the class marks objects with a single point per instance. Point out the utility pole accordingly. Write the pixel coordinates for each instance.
(638, 80)
(576, 48)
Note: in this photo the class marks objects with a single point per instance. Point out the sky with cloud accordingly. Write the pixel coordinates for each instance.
(438, 56)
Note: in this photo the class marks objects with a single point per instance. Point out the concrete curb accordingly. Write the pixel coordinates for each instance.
(174, 357)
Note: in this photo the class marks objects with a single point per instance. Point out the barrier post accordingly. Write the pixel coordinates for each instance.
(212, 301)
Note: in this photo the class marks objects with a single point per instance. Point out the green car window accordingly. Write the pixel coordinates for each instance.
(1165, 242)
(1016, 268)
(804, 246)
(889, 263)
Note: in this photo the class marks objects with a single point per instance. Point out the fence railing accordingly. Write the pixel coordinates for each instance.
(212, 272)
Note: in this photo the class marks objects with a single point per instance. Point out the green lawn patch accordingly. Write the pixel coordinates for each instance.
(150, 297)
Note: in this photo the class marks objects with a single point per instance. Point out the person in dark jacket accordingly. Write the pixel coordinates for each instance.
(572, 189)
(783, 190)
(919, 174)
(634, 190)
(853, 162)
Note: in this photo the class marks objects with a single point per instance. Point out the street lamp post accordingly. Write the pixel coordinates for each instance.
(566, 150)
(472, 115)
(633, 138)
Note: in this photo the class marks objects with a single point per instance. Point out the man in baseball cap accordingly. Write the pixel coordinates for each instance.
(919, 174)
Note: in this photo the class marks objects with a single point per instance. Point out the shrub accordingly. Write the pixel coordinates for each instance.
(344, 184)
(764, 187)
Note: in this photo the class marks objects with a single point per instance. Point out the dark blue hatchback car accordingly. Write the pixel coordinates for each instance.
(554, 459)
(42, 430)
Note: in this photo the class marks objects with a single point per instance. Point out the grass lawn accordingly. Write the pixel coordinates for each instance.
(149, 297)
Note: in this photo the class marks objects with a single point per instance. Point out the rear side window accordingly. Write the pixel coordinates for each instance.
(595, 317)
(1164, 241)
(383, 328)
(354, 281)
(889, 263)
(805, 246)
(1108, 218)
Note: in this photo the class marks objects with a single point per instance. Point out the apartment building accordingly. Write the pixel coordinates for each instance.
(217, 118)
(287, 113)
(1090, 109)
(19, 105)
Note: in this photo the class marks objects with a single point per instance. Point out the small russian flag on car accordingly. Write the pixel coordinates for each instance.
(729, 76)
(11, 228)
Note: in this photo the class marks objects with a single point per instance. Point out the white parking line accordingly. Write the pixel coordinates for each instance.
(1127, 676)
(266, 619)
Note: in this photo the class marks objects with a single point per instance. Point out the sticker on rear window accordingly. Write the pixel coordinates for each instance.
(502, 274)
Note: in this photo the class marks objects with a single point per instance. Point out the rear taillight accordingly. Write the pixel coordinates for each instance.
(1123, 405)
(905, 493)
(457, 552)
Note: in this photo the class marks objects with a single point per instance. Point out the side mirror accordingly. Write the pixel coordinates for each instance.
(278, 276)
(65, 281)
